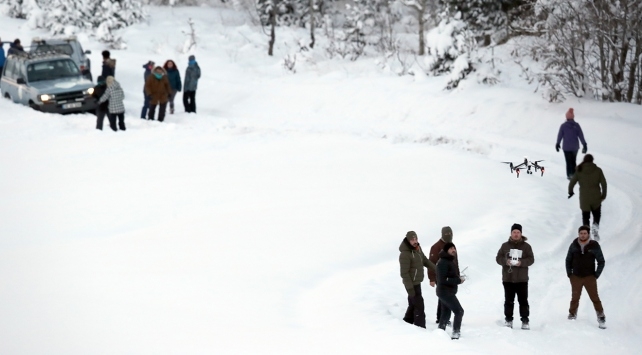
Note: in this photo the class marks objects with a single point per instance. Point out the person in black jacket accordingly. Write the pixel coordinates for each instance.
(109, 65)
(101, 109)
(580, 268)
(447, 280)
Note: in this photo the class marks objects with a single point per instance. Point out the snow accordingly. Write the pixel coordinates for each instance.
(270, 221)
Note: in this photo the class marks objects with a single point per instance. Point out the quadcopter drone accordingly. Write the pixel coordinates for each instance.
(527, 165)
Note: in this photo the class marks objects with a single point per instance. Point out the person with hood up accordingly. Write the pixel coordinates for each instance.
(101, 109)
(158, 89)
(109, 65)
(192, 74)
(15, 47)
(448, 279)
(592, 192)
(115, 95)
(580, 268)
(446, 237)
(174, 77)
(571, 133)
(149, 66)
(515, 256)
(411, 265)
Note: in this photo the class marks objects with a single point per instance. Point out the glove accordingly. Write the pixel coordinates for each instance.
(584, 150)
(557, 147)
(570, 194)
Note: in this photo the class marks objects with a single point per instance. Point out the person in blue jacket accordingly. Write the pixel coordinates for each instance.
(192, 74)
(571, 134)
(148, 70)
(174, 77)
(2, 56)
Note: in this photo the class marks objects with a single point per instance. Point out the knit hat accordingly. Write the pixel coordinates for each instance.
(516, 226)
(447, 247)
(569, 114)
(584, 228)
(191, 57)
(447, 234)
(100, 80)
(411, 235)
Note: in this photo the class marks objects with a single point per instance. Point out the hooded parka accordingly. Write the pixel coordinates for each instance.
(411, 265)
(592, 186)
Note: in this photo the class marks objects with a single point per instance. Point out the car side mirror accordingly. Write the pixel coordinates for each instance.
(21, 81)
(87, 52)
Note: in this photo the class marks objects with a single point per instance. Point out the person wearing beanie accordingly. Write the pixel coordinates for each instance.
(102, 109)
(448, 279)
(446, 237)
(570, 133)
(592, 192)
(515, 256)
(583, 253)
(192, 74)
(148, 67)
(411, 267)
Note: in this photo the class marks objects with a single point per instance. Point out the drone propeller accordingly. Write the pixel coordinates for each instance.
(511, 165)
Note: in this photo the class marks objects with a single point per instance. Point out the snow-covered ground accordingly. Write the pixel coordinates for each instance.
(269, 223)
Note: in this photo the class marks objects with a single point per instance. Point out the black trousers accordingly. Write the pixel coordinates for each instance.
(189, 101)
(597, 215)
(521, 290)
(415, 313)
(100, 117)
(450, 303)
(121, 120)
(570, 156)
(161, 111)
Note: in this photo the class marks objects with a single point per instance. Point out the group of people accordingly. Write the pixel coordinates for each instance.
(584, 265)
(161, 84)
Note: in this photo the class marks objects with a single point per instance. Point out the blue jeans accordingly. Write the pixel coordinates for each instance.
(143, 113)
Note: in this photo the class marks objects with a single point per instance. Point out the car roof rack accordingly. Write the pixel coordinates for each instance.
(27, 54)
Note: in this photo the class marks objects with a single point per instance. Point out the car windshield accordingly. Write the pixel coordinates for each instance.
(63, 48)
(51, 70)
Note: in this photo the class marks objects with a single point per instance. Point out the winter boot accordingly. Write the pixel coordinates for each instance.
(572, 316)
(171, 110)
(525, 326)
(601, 320)
(455, 335)
(595, 232)
(508, 323)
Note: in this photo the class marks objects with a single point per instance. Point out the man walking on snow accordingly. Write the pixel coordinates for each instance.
(580, 268)
(411, 266)
(570, 132)
(515, 256)
(446, 237)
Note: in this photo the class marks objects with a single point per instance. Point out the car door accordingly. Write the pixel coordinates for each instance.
(9, 82)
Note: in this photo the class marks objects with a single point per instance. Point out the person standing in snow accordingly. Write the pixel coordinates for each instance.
(592, 192)
(15, 47)
(115, 95)
(109, 65)
(515, 256)
(174, 77)
(102, 108)
(158, 89)
(447, 280)
(149, 66)
(446, 237)
(192, 74)
(2, 56)
(580, 269)
(411, 265)
(570, 132)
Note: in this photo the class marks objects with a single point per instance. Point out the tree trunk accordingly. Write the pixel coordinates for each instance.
(634, 69)
(422, 23)
(272, 30)
(312, 24)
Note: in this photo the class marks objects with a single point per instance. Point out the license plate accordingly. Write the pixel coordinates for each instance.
(72, 105)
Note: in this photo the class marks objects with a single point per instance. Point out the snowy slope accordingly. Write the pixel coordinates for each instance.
(269, 222)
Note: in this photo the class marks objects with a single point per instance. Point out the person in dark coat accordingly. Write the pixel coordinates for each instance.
(570, 132)
(446, 237)
(411, 268)
(149, 66)
(102, 108)
(158, 89)
(15, 47)
(174, 77)
(109, 65)
(448, 279)
(592, 192)
(192, 74)
(580, 269)
(515, 256)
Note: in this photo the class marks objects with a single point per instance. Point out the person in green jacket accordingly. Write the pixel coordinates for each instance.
(411, 267)
(592, 192)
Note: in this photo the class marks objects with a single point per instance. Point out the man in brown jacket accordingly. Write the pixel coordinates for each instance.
(158, 89)
(411, 266)
(515, 256)
(446, 237)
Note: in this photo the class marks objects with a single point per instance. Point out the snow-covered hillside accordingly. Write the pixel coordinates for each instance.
(269, 222)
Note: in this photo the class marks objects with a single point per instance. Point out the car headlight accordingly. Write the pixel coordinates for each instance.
(88, 91)
(45, 97)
